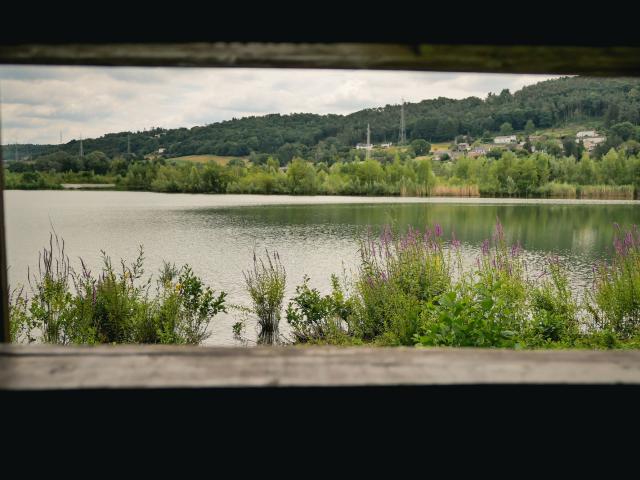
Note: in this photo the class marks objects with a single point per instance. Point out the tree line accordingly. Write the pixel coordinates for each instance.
(329, 138)
(519, 173)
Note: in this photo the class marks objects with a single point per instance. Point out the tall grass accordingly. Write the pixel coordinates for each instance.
(266, 283)
(64, 306)
(396, 274)
(615, 297)
(455, 191)
(606, 191)
(557, 190)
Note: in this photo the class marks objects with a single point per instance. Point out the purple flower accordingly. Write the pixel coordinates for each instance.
(499, 231)
(485, 247)
(628, 239)
(438, 230)
(455, 242)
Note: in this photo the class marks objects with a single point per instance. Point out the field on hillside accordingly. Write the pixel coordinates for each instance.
(436, 147)
(219, 159)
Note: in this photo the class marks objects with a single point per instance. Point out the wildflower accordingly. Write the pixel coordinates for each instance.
(485, 247)
(178, 287)
(438, 230)
(455, 243)
(628, 240)
(499, 231)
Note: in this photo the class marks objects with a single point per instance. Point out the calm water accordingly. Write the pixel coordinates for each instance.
(216, 234)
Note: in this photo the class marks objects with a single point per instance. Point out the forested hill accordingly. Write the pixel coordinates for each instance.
(550, 103)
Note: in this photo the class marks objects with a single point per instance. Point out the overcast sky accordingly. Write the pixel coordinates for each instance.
(40, 102)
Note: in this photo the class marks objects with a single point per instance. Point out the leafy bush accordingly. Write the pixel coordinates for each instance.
(397, 274)
(317, 318)
(68, 307)
(485, 307)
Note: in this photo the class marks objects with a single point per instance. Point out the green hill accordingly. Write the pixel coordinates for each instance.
(548, 104)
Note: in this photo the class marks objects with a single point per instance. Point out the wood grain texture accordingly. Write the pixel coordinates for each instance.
(586, 60)
(49, 367)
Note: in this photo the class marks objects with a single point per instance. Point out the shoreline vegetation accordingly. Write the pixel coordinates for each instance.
(408, 289)
(538, 175)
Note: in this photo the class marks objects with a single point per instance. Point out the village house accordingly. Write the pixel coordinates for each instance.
(364, 146)
(590, 139)
(587, 134)
(505, 139)
(478, 152)
(386, 145)
(462, 147)
(591, 143)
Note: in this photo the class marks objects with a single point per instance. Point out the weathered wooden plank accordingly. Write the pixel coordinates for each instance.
(49, 367)
(588, 60)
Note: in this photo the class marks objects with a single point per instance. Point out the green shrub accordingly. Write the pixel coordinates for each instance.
(614, 301)
(317, 318)
(553, 309)
(397, 274)
(485, 308)
(68, 307)
(266, 285)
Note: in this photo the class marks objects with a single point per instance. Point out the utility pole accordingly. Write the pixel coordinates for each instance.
(368, 141)
(402, 137)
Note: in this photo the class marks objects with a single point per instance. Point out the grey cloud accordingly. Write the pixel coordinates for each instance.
(39, 102)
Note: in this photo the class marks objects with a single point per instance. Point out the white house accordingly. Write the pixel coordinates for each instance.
(592, 142)
(505, 139)
(364, 146)
(386, 145)
(161, 150)
(586, 134)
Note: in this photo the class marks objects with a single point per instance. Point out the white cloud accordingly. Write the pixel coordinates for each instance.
(40, 102)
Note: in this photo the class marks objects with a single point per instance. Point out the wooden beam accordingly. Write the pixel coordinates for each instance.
(151, 367)
(550, 59)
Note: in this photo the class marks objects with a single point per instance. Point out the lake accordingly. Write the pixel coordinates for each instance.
(216, 234)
